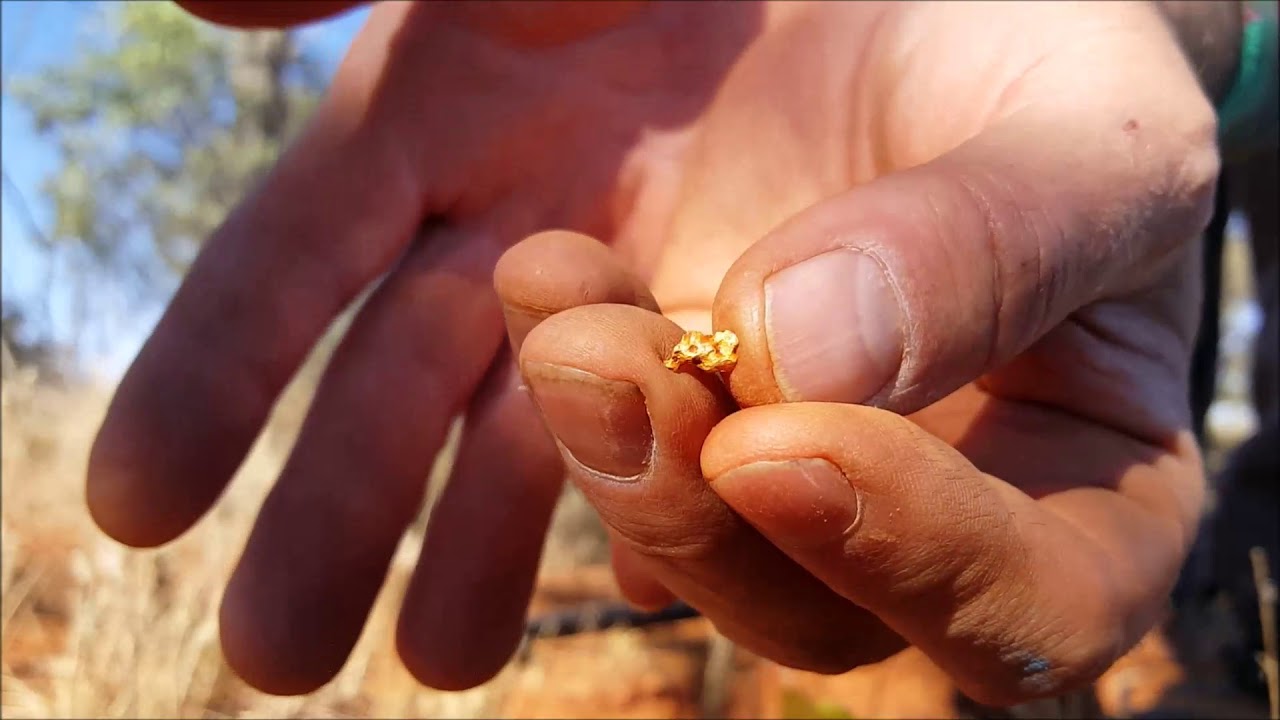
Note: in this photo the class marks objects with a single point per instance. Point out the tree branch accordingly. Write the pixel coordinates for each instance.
(24, 210)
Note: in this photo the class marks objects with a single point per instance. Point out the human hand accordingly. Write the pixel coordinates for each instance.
(1021, 285)
(1027, 180)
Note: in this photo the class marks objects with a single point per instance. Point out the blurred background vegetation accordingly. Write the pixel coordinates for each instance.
(159, 124)
(129, 140)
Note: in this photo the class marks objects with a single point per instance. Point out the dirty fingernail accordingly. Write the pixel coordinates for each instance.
(834, 328)
(603, 424)
(800, 503)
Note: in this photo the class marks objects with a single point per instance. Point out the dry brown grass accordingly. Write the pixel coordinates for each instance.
(1267, 659)
(93, 630)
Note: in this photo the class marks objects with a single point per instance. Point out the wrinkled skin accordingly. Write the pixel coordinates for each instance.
(981, 448)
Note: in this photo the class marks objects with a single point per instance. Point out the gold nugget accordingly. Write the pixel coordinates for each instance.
(711, 353)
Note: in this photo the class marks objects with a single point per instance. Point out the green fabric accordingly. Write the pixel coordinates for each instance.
(1249, 116)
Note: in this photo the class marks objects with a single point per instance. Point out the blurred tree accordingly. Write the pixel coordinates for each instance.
(20, 348)
(162, 122)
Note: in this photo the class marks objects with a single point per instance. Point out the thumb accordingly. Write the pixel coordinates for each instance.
(900, 291)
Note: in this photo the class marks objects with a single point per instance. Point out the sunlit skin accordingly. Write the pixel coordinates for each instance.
(1005, 479)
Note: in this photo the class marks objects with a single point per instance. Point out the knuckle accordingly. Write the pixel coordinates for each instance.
(664, 537)
(1060, 649)
(1195, 182)
(1069, 655)
(822, 644)
(826, 654)
(1192, 166)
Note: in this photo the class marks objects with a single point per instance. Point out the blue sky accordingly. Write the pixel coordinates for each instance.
(37, 34)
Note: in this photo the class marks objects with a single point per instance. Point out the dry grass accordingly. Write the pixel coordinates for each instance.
(1267, 659)
(91, 629)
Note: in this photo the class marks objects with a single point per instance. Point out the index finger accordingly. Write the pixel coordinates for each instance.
(334, 213)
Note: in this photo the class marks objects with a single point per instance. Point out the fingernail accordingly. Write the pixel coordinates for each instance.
(834, 328)
(520, 323)
(800, 503)
(603, 424)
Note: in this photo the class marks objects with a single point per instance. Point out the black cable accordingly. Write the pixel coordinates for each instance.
(596, 617)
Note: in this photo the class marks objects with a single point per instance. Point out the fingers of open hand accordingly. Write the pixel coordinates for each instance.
(464, 609)
(463, 613)
(335, 213)
(1012, 598)
(631, 432)
(325, 535)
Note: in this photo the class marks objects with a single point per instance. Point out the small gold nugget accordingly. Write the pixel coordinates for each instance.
(712, 353)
